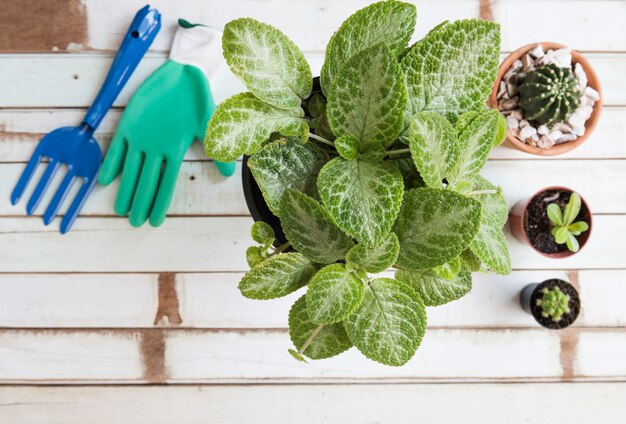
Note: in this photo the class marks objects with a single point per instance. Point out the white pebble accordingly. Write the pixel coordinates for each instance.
(592, 94)
(577, 119)
(554, 135)
(563, 57)
(517, 113)
(512, 122)
(566, 137)
(578, 130)
(537, 52)
(527, 132)
(543, 129)
(587, 111)
(534, 137)
(562, 126)
(545, 142)
(523, 123)
(581, 76)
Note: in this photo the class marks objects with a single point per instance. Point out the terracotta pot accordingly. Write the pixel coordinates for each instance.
(590, 124)
(517, 219)
(528, 300)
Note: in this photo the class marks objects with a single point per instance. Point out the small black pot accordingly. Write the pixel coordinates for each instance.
(256, 203)
(254, 198)
(532, 292)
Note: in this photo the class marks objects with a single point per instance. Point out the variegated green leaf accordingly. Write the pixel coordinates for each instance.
(470, 260)
(310, 229)
(490, 246)
(242, 123)
(391, 22)
(262, 233)
(501, 132)
(347, 146)
(330, 340)
(434, 147)
(254, 255)
(452, 69)
(270, 65)
(333, 294)
(475, 142)
(285, 164)
(376, 258)
(367, 98)
(434, 289)
(390, 323)
(435, 226)
(362, 197)
(277, 276)
(450, 269)
(495, 210)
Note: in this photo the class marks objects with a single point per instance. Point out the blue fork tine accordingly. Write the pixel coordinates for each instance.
(59, 196)
(27, 174)
(43, 184)
(77, 204)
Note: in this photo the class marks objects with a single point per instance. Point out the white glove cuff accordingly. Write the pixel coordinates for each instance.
(199, 46)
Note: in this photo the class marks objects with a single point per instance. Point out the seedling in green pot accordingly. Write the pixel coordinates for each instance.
(554, 303)
(565, 229)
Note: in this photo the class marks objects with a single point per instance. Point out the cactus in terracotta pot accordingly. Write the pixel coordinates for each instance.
(549, 94)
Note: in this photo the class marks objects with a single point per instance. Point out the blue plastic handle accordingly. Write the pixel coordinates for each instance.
(140, 34)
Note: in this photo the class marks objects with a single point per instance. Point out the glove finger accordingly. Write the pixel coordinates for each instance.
(130, 174)
(226, 168)
(114, 159)
(166, 191)
(146, 189)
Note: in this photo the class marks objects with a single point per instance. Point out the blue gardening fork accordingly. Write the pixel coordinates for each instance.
(76, 147)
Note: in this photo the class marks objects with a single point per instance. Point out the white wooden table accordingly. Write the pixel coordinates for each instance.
(94, 322)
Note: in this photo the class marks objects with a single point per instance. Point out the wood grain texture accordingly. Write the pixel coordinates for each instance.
(202, 244)
(36, 26)
(70, 80)
(202, 191)
(311, 23)
(580, 403)
(111, 304)
(212, 300)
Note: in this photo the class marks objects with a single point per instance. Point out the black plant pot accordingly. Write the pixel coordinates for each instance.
(256, 203)
(532, 292)
(254, 198)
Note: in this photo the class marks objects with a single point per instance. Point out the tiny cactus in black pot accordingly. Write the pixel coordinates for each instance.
(554, 303)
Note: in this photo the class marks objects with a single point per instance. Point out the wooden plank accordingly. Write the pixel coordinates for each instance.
(111, 244)
(21, 130)
(601, 354)
(204, 356)
(211, 300)
(583, 25)
(70, 80)
(201, 190)
(310, 24)
(200, 244)
(264, 404)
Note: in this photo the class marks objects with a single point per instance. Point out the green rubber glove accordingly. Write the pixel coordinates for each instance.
(170, 109)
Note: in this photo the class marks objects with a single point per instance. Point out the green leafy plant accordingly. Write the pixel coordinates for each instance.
(554, 303)
(376, 169)
(549, 94)
(564, 229)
